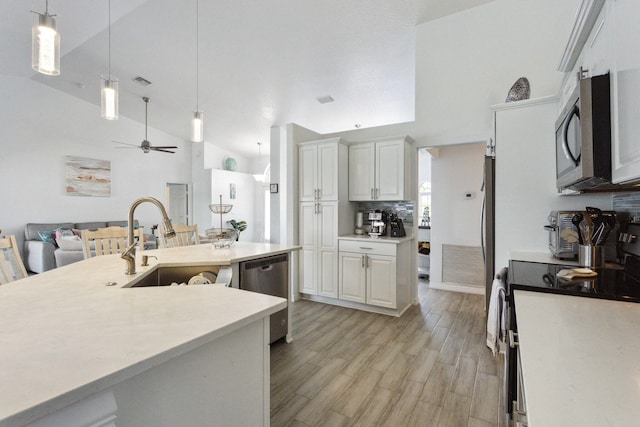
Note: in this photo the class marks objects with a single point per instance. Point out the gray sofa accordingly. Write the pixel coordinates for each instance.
(41, 256)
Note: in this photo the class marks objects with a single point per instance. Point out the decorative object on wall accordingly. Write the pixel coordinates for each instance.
(146, 145)
(109, 86)
(232, 191)
(45, 43)
(519, 91)
(259, 177)
(273, 188)
(197, 123)
(230, 164)
(88, 177)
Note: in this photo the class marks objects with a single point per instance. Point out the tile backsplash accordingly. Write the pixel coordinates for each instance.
(628, 203)
(404, 209)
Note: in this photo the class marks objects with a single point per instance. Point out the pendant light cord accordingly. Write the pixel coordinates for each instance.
(197, 56)
(146, 108)
(109, 40)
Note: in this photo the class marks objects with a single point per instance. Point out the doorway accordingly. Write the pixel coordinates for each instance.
(424, 214)
(178, 203)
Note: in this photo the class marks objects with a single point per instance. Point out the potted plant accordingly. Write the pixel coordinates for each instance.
(239, 226)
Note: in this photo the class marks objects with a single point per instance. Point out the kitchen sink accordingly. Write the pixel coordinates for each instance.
(165, 276)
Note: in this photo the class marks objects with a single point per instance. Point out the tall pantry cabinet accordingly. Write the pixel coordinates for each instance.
(323, 193)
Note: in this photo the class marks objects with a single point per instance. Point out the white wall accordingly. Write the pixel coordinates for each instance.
(214, 157)
(40, 126)
(468, 61)
(243, 205)
(455, 220)
(201, 179)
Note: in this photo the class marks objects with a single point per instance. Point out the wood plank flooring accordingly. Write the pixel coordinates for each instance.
(429, 367)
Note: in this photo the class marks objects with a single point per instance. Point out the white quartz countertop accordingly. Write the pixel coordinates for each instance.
(66, 335)
(580, 360)
(381, 239)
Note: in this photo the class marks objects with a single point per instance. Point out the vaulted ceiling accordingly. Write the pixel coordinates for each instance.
(262, 63)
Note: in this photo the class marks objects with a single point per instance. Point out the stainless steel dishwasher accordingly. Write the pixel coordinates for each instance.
(269, 275)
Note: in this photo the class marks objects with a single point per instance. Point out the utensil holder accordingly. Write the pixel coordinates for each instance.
(591, 256)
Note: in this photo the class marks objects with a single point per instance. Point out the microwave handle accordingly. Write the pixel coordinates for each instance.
(565, 141)
(551, 227)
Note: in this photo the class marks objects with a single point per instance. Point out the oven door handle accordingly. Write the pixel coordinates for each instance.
(565, 142)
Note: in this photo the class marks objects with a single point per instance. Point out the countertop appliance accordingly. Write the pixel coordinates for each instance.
(613, 282)
(396, 227)
(563, 234)
(378, 224)
(269, 275)
(583, 136)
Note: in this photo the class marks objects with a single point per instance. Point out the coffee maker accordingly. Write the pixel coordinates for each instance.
(378, 224)
(396, 226)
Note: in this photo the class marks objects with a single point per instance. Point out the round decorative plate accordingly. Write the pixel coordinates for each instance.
(230, 164)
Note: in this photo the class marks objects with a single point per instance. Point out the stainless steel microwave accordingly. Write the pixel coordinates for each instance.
(583, 136)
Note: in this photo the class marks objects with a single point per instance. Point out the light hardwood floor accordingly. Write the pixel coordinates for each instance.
(347, 367)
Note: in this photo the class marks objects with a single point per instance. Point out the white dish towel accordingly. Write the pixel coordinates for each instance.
(496, 316)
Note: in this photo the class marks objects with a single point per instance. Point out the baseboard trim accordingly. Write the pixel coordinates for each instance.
(457, 287)
(350, 304)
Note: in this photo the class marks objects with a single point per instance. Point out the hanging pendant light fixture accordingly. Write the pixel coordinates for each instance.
(109, 87)
(45, 43)
(197, 123)
(259, 177)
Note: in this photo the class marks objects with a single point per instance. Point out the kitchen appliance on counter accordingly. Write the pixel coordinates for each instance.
(565, 237)
(583, 136)
(378, 223)
(359, 224)
(620, 282)
(396, 226)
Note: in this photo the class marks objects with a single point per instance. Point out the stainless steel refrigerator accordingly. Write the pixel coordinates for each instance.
(488, 220)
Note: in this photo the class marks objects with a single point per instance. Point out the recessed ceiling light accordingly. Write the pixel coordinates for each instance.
(141, 81)
(324, 99)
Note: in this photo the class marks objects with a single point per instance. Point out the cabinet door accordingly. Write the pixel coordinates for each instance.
(626, 92)
(309, 252)
(308, 172)
(361, 171)
(381, 280)
(389, 170)
(328, 249)
(328, 171)
(328, 274)
(352, 282)
(598, 50)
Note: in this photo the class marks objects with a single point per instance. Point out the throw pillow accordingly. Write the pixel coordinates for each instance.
(60, 232)
(69, 243)
(48, 236)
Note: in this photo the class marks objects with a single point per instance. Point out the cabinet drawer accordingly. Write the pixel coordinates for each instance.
(365, 247)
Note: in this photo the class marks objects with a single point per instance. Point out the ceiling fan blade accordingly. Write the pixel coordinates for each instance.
(160, 149)
(125, 143)
(164, 146)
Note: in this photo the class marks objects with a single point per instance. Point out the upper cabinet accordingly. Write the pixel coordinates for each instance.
(320, 169)
(625, 90)
(380, 170)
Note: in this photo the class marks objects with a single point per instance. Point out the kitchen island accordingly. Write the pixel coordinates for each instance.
(580, 359)
(77, 342)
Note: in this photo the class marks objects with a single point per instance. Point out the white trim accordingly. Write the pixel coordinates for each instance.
(457, 287)
(525, 103)
(585, 18)
(350, 304)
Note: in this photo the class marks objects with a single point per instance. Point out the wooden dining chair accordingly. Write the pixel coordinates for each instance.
(109, 240)
(11, 266)
(186, 235)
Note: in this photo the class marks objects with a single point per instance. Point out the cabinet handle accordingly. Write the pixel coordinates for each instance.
(377, 193)
(512, 339)
(372, 196)
(366, 261)
(362, 258)
(366, 249)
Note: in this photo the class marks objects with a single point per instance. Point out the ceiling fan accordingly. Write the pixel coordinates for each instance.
(146, 146)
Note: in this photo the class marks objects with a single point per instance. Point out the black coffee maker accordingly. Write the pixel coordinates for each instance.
(396, 227)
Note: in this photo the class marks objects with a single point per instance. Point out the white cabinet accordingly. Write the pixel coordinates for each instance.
(380, 170)
(323, 174)
(625, 92)
(318, 169)
(318, 238)
(369, 274)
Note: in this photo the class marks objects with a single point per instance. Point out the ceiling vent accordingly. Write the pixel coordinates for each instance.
(325, 99)
(141, 81)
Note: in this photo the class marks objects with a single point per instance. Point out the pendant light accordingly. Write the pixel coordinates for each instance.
(197, 123)
(109, 87)
(45, 43)
(259, 177)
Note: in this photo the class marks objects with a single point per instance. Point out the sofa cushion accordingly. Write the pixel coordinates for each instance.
(90, 225)
(31, 230)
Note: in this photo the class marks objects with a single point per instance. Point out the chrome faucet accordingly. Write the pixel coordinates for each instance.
(129, 255)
